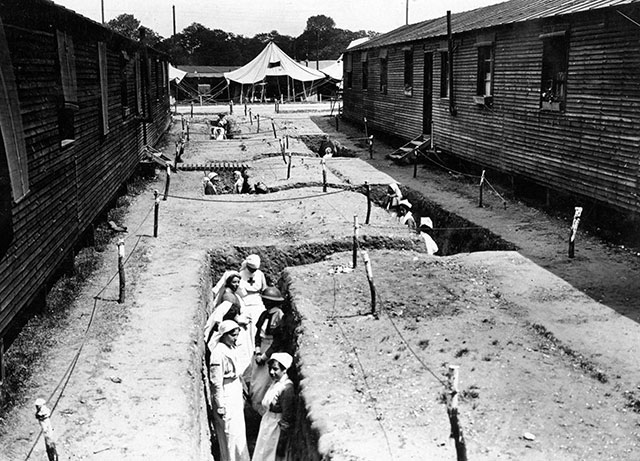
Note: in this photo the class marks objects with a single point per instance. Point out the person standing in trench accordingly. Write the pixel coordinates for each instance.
(277, 422)
(226, 393)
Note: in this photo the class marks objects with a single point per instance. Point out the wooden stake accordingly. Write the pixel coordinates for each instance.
(481, 188)
(452, 410)
(287, 138)
(121, 298)
(43, 415)
(283, 150)
(187, 131)
(574, 230)
(167, 183)
(250, 118)
(324, 175)
(370, 142)
(156, 210)
(258, 119)
(415, 163)
(366, 128)
(245, 109)
(191, 109)
(289, 167)
(337, 123)
(355, 240)
(372, 287)
(231, 107)
(368, 190)
(273, 125)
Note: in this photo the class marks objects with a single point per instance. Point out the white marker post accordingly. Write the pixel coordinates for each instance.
(121, 297)
(574, 231)
(43, 415)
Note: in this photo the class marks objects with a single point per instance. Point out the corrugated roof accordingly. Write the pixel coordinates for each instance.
(489, 16)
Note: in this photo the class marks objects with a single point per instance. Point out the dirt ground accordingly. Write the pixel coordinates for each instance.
(547, 345)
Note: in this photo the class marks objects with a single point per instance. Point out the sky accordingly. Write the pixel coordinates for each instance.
(288, 17)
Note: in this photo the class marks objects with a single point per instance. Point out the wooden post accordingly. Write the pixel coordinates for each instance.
(250, 118)
(372, 287)
(191, 109)
(43, 415)
(481, 189)
(368, 191)
(452, 410)
(182, 120)
(156, 210)
(273, 125)
(366, 128)
(370, 142)
(289, 167)
(187, 131)
(337, 123)
(283, 150)
(415, 163)
(574, 230)
(324, 175)
(275, 106)
(121, 297)
(258, 119)
(167, 183)
(231, 106)
(355, 240)
(245, 108)
(287, 138)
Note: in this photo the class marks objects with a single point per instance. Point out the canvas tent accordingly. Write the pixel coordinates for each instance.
(273, 67)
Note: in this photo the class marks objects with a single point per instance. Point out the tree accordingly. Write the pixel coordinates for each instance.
(320, 23)
(129, 26)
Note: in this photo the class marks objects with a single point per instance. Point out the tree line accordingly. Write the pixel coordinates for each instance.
(198, 45)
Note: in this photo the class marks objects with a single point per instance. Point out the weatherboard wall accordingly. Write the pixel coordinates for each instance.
(69, 186)
(590, 149)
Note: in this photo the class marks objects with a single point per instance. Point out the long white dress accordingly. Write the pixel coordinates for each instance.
(252, 285)
(270, 424)
(226, 392)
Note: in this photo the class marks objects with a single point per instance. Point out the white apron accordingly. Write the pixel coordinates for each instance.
(269, 434)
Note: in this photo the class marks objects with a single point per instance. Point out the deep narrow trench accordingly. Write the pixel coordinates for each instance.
(452, 237)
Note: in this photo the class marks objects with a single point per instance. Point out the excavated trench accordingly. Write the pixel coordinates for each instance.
(450, 231)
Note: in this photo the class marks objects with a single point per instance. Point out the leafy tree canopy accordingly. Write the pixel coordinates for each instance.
(129, 26)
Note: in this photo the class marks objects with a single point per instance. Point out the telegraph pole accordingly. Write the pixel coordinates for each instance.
(174, 19)
(102, 9)
(407, 20)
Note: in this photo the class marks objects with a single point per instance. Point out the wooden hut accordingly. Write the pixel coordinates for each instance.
(78, 105)
(545, 90)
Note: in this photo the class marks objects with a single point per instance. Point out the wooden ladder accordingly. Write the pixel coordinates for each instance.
(403, 154)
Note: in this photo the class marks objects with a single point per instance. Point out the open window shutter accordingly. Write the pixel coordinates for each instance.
(364, 57)
(67, 60)
(138, 80)
(104, 85)
(349, 63)
(383, 53)
(11, 124)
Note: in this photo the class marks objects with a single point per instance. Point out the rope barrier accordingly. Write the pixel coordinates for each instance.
(66, 377)
(322, 194)
(376, 410)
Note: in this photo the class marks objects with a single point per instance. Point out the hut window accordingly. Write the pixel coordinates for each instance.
(138, 82)
(69, 104)
(365, 70)
(408, 72)
(384, 74)
(14, 171)
(485, 71)
(104, 86)
(349, 70)
(444, 74)
(555, 63)
(125, 64)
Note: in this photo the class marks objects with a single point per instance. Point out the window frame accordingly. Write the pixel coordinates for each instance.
(384, 74)
(486, 63)
(444, 74)
(364, 61)
(408, 71)
(554, 71)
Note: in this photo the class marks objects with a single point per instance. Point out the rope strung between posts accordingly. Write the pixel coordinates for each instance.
(66, 377)
(286, 199)
(377, 412)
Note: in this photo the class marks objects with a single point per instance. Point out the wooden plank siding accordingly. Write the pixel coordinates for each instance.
(69, 186)
(590, 149)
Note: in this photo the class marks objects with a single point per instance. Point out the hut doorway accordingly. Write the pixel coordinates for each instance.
(428, 94)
